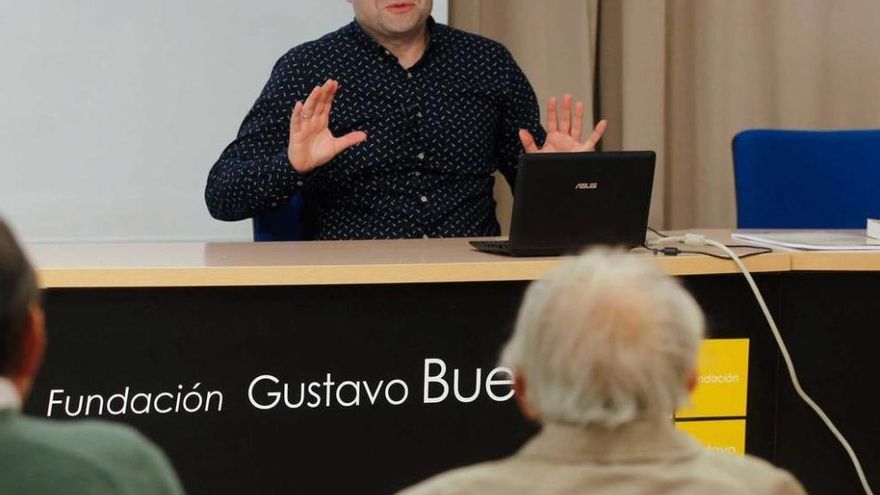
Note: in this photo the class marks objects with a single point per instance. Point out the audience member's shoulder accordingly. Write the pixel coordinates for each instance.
(111, 450)
(84, 434)
(757, 475)
(487, 477)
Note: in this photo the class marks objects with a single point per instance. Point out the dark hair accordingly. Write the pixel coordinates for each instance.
(18, 289)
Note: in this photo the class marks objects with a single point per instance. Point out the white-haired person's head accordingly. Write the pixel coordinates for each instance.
(606, 338)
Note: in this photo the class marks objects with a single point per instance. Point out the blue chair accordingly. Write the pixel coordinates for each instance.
(284, 223)
(806, 179)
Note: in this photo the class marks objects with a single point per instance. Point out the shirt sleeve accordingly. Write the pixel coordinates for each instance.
(253, 174)
(519, 110)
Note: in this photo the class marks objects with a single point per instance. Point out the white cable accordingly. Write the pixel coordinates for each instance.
(700, 240)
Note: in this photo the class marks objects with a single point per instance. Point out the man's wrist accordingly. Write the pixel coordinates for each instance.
(293, 177)
(292, 165)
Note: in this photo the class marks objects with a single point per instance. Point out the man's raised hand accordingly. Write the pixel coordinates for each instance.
(564, 134)
(311, 142)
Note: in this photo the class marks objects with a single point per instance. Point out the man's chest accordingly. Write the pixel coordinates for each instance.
(439, 108)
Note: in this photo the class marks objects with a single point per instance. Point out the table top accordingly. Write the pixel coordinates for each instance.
(836, 261)
(330, 263)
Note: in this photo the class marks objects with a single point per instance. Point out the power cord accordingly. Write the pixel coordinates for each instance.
(657, 232)
(701, 240)
(675, 251)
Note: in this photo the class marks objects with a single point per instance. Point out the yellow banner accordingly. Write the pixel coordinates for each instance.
(722, 435)
(722, 384)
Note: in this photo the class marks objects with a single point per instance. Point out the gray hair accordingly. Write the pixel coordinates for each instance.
(604, 339)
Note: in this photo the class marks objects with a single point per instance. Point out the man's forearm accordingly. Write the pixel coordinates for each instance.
(242, 188)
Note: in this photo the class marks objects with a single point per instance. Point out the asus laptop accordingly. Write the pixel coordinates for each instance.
(565, 201)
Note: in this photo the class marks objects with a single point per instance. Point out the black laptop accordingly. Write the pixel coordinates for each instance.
(565, 201)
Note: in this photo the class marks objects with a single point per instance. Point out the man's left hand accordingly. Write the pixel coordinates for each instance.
(564, 135)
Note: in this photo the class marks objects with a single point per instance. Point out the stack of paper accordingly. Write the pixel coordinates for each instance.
(873, 228)
(824, 240)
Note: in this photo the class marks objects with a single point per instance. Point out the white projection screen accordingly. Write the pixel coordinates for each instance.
(113, 111)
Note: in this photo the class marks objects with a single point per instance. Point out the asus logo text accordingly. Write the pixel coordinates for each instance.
(587, 185)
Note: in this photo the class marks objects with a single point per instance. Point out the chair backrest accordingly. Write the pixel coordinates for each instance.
(806, 179)
(284, 223)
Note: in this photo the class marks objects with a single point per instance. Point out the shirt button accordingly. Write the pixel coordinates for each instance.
(409, 75)
(299, 182)
(424, 199)
(421, 156)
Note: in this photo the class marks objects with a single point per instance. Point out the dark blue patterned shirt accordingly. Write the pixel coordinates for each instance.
(435, 135)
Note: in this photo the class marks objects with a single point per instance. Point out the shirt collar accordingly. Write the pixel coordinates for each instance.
(437, 34)
(9, 396)
(638, 441)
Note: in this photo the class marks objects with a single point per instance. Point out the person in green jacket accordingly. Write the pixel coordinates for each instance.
(39, 456)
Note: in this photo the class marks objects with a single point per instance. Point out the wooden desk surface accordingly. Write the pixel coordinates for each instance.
(837, 261)
(319, 263)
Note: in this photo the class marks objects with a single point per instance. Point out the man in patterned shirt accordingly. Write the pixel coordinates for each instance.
(422, 115)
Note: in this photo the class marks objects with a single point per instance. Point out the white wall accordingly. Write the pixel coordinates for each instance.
(113, 111)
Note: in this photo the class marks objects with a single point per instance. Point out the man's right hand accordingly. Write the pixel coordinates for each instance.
(311, 142)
